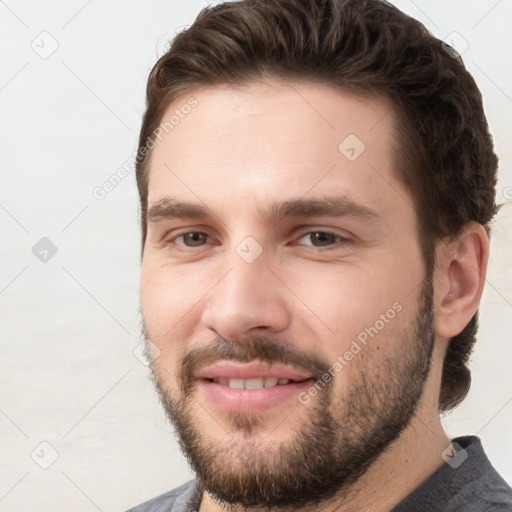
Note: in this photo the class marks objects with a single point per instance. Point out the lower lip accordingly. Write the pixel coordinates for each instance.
(249, 401)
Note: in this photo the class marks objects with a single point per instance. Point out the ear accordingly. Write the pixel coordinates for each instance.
(461, 266)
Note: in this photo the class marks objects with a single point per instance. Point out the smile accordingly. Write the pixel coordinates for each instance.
(255, 383)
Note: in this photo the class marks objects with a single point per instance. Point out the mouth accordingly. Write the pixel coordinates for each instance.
(250, 387)
(254, 383)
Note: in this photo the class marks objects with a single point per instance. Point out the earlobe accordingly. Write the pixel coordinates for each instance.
(461, 269)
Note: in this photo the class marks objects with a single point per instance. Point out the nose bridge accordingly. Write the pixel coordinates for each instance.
(247, 296)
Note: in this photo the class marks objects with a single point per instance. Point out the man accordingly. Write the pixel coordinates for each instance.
(317, 181)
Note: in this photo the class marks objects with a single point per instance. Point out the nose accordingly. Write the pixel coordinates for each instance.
(249, 298)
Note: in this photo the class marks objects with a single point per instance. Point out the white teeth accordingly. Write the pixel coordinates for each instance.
(256, 383)
(236, 383)
(271, 382)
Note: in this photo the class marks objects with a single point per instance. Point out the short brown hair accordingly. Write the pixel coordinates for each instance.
(444, 152)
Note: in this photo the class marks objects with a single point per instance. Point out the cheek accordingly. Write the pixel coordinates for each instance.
(169, 301)
(355, 302)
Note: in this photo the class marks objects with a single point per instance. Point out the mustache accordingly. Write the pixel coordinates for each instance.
(266, 350)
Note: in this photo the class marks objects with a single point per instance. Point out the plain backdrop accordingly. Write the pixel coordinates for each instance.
(74, 396)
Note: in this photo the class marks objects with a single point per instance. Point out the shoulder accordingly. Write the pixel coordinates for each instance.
(485, 490)
(179, 499)
(490, 493)
(466, 483)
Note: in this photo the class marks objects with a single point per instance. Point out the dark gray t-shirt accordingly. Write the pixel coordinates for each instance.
(465, 485)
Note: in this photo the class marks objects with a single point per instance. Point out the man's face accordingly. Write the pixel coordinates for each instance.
(305, 266)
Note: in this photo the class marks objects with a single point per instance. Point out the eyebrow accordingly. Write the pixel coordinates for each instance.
(330, 206)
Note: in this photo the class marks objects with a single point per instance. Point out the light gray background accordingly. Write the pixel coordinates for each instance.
(68, 374)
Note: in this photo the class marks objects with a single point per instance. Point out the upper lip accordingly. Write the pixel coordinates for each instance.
(230, 370)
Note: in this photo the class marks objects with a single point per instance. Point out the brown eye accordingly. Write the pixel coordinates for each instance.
(322, 238)
(193, 239)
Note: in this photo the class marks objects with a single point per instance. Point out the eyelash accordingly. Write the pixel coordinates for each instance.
(341, 239)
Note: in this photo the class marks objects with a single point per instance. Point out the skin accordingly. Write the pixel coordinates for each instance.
(239, 151)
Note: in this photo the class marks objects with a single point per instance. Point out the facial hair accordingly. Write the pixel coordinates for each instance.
(330, 450)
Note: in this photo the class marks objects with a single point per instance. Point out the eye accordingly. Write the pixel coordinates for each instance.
(322, 238)
(192, 239)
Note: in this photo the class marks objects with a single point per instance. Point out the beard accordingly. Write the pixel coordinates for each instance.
(342, 435)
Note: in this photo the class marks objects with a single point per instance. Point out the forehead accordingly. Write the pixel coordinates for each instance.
(273, 138)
